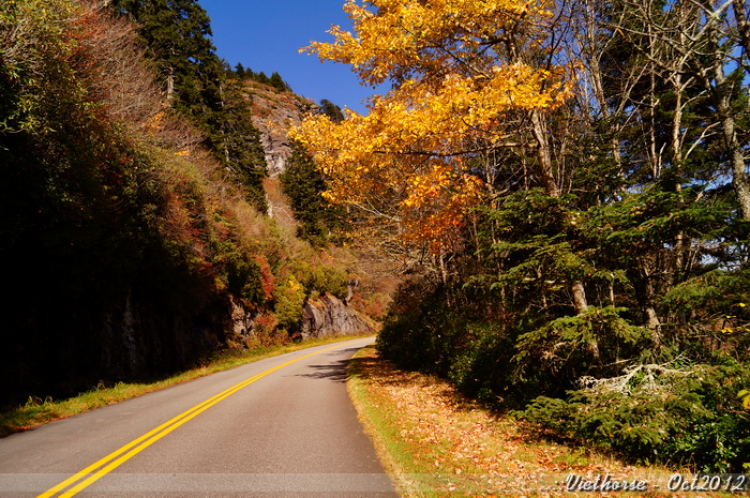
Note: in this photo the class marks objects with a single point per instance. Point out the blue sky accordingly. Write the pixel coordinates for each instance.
(266, 35)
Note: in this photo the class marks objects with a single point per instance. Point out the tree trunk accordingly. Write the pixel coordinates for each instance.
(739, 173)
(543, 154)
(579, 297)
(743, 26)
(646, 296)
(170, 85)
(595, 73)
(723, 91)
(680, 246)
(550, 187)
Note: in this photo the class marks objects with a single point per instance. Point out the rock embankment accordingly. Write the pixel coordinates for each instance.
(330, 316)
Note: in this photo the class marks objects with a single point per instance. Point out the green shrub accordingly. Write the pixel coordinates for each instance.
(244, 278)
(690, 416)
(572, 346)
(681, 413)
(482, 368)
(421, 332)
(290, 298)
(320, 276)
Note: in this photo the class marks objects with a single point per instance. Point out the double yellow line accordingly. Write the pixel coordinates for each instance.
(90, 474)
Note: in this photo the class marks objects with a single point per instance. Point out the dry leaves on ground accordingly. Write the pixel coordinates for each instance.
(448, 446)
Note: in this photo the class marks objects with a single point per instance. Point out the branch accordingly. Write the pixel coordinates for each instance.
(449, 154)
(652, 381)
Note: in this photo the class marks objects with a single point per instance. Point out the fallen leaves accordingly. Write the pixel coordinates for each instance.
(454, 447)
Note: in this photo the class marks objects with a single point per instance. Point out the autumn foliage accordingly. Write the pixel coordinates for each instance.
(578, 170)
(455, 78)
(131, 230)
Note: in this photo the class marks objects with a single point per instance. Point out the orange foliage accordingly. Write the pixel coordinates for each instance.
(267, 278)
(452, 87)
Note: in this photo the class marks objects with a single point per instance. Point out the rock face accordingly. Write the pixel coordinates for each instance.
(144, 339)
(274, 114)
(329, 316)
(240, 325)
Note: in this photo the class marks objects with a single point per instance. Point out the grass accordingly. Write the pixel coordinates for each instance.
(434, 442)
(37, 412)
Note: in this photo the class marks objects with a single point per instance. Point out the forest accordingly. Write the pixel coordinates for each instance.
(134, 195)
(563, 184)
(567, 185)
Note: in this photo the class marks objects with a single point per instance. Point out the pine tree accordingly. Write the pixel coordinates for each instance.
(304, 184)
(239, 70)
(607, 238)
(178, 33)
(262, 78)
(278, 83)
(240, 142)
(331, 110)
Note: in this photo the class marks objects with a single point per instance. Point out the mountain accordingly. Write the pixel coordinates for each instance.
(131, 194)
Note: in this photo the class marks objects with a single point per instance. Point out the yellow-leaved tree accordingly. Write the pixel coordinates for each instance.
(458, 69)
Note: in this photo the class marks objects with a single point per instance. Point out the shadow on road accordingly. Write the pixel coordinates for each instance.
(332, 371)
(339, 371)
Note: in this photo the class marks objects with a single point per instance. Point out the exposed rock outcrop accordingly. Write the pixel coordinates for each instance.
(273, 114)
(329, 316)
(146, 339)
(240, 324)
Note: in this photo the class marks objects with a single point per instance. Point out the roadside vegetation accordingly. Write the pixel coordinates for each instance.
(434, 442)
(134, 221)
(568, 183)
(565, 184)
(37, 411)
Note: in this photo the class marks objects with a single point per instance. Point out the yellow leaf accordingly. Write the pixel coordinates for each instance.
(412, 158)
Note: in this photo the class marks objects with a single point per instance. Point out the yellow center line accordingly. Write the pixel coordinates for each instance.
(123, 454)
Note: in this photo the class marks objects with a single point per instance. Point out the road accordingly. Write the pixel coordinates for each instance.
(282, 426)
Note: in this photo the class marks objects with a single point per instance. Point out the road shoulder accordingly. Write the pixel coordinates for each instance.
(434, 442)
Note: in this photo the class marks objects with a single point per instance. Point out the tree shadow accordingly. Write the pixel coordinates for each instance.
(341, 370)
(332, 371)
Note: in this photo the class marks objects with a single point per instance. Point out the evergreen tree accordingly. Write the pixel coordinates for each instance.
(243, 152)
(278, 83)
(178, 33)
(608, 261)
(262, 78)
(239, 70)
(304, 184)
(331, 110)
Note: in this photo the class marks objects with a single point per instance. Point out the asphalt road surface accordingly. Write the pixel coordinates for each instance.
(282, 426)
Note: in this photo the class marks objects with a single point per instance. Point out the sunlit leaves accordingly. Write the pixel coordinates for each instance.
(36, 45)
(455, 77)
(405, 37)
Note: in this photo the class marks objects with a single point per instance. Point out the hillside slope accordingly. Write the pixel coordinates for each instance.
(134, 241)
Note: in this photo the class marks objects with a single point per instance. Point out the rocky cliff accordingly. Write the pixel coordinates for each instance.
(274, 113)
(330, 316)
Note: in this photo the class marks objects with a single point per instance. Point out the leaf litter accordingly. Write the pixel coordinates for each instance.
(443, 444)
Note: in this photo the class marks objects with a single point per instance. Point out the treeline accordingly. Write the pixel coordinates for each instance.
(132, 221)
(600, 284)
(320, 221)
(603, 288)
(177, 40)
(274, 80)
